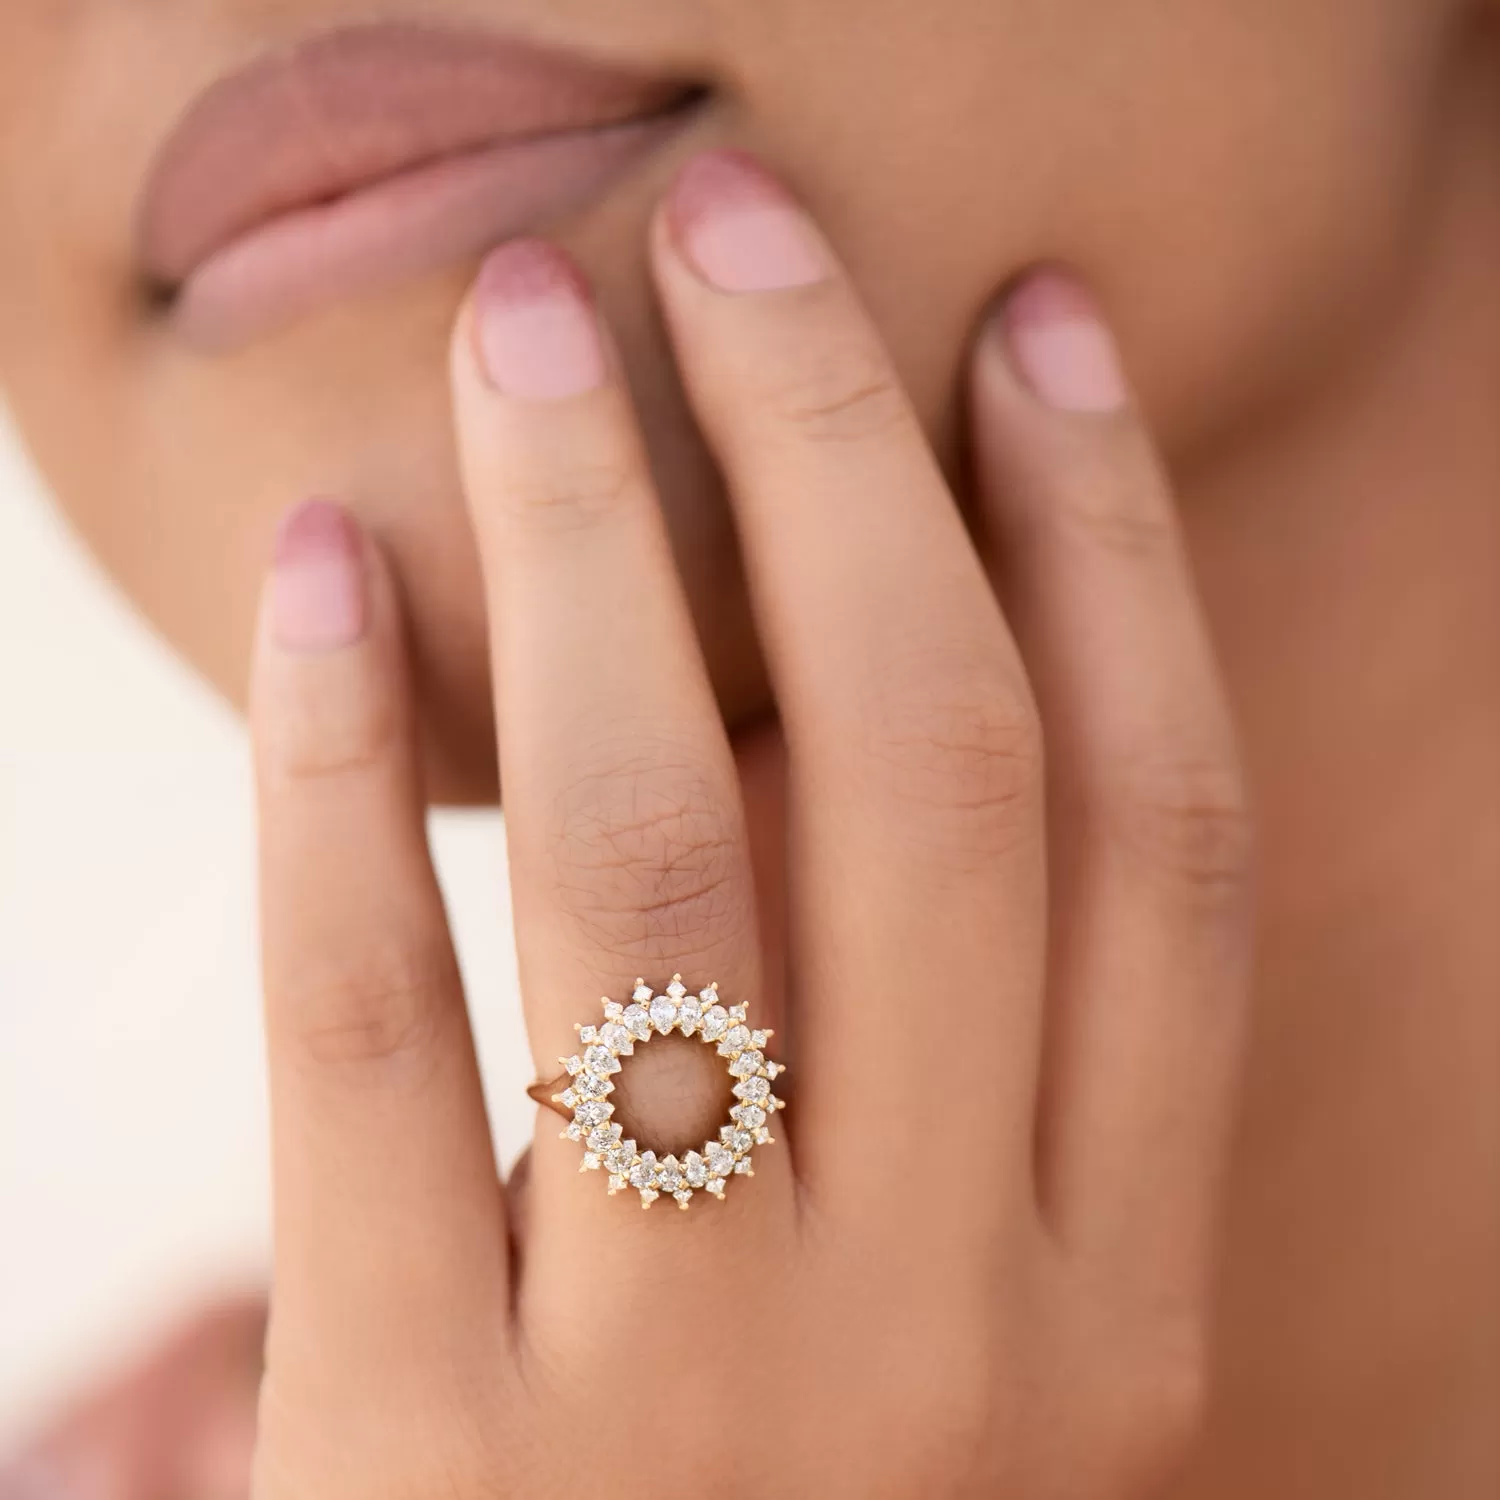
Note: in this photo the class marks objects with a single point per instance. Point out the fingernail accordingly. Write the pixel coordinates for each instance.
(740, 229)
(535, 324)
(317, 579)
(1060, 346)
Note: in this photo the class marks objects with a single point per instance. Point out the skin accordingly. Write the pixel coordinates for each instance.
(1034, 1331)
(1295, 236)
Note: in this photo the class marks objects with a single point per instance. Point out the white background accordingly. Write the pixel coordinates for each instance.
(133, 1165)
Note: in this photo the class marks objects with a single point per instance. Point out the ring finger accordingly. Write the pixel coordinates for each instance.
(625, 829)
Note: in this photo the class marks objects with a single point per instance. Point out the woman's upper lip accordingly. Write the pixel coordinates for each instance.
(349, 110)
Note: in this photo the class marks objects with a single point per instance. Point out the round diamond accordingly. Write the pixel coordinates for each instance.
(663, 1014)
(747, 1064)
(715, 1022)
(736, 1038)
(637, 1022)
(740, 1141)
(616, 1038)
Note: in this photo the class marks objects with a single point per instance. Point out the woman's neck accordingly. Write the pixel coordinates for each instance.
(1350, 559)
(1351, 562)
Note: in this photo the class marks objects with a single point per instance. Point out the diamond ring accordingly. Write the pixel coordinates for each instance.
(589, 1083)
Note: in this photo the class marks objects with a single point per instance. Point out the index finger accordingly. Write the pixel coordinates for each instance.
(389, 1228)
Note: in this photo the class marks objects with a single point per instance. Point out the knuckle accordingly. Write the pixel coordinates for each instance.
(379, 1009)
(573, 493)
(648, 859)
(951, 1422)
(329, 729)
(845, 396)
(958, 740)
(1162, 1410)
(1191, 820)
(1116, 509)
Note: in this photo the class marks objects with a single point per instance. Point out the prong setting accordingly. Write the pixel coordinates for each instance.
(625, 1026)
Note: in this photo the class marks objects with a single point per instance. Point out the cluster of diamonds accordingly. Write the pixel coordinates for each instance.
(646, 1016)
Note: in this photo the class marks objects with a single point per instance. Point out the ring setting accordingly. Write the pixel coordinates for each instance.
(647, 1015)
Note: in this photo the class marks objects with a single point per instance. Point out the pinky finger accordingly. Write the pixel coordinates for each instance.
(1149, 837)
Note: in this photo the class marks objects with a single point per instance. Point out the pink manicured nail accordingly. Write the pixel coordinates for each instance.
(741, 229)
(1061, 347)
(317, 579)
(535, 324)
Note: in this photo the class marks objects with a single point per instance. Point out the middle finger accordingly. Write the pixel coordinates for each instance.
(915, 823)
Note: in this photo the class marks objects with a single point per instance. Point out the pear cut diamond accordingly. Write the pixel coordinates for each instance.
(614, 1036)
(735, 1039)
(599, 1059)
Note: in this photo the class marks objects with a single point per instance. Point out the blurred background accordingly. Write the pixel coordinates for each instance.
(133, 1168)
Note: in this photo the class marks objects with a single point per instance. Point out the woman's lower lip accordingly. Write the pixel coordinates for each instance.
(439, 213)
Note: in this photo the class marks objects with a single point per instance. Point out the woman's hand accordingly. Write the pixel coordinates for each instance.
(1016, 907)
